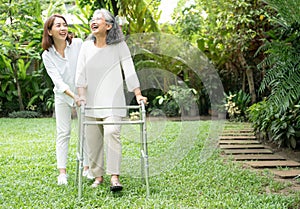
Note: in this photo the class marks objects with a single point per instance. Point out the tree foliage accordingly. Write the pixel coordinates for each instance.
(141, 15)
(229, 32)
(283, 56)
(20, 46)
(279, 114)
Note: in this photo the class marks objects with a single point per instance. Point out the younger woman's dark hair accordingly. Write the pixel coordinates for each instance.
(115, 34)
(47, 40)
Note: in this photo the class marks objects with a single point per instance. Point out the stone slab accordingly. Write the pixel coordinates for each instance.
(237, 141)
(237, 137)
(247, 151)
(286, 173)
(252, 157)
(241, 146)
(237, 134)
(238, 130)
(270, 164)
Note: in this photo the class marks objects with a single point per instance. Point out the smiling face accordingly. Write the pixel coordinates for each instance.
(98, 25)
(59, 30)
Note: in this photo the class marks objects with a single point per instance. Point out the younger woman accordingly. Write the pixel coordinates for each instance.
(60, 60)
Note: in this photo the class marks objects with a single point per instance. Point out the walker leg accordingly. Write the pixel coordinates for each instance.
(80, 181)
(146, 173)
(77, 169)
(80, 170)
(80, 153)
(144, 151)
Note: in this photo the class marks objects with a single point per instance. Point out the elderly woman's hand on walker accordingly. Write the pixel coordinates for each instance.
(139, 97)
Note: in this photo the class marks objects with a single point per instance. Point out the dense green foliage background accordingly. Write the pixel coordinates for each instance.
(254, 45)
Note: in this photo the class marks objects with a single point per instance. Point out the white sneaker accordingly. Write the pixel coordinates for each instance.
(87, 174)
(62, 179)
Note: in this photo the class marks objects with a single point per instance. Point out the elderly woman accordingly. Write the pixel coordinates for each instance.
(99, 80)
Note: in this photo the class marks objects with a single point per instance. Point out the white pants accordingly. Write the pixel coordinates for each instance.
(96, 137)
(63, 113)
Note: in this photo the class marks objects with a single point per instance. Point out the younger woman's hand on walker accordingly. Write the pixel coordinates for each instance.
(80, 100)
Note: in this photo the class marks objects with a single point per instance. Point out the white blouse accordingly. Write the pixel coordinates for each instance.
(61, 70)
(99, 70)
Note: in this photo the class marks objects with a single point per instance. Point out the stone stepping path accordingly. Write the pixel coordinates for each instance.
(240, 144)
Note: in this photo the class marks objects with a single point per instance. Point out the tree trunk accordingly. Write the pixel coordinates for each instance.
(21, 105)
(112, 6)
(249, 73)
(244, 81)
(115, 8)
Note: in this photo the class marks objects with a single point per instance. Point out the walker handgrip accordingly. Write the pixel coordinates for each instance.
(82, 106)
(142, 103)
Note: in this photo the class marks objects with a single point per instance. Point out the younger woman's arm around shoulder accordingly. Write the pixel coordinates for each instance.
(77, 41)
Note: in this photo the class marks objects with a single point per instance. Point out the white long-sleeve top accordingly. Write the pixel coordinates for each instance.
(99, 70)
(62, 70)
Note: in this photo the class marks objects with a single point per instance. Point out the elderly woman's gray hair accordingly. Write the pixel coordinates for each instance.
(115, 34)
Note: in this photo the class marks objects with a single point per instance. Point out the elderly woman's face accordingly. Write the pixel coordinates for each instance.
(98, 24)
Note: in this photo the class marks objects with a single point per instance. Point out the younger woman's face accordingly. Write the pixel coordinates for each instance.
(59, 29)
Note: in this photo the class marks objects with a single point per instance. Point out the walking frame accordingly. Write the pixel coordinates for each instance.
(143, 136)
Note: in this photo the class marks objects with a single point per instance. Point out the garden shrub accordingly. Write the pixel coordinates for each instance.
(177, 101)
(280, 127)
(24, 114)
(236, 105)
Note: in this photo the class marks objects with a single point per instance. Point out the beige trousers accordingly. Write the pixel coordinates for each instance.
(100, 138)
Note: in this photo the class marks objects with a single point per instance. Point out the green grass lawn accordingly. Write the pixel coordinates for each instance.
(185, 167)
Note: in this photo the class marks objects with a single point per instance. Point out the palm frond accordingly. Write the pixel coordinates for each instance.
(284, 85)
(288, 10)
